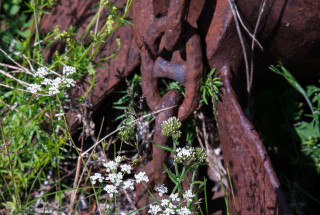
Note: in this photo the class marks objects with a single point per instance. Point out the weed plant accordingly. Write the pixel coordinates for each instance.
(180, 201)
(308, 130)
(284, 127)
(34, 99)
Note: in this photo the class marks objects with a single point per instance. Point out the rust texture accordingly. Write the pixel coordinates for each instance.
(174, 39)
(175, 22)
(252, 176)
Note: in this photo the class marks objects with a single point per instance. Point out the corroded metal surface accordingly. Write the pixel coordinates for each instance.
(175, 22)
(169, 38)
(256, 188)
(245, 157)
(188, 72)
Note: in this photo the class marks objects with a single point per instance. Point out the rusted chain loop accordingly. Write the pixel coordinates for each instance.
(185, 69)
(175, 23)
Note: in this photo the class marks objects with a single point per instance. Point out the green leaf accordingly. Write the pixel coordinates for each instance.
(292, 81)
(14, 10)
(307, 131)
(312, 89)
(163, 147)
(172, 176)
(199, 182)
(203, 164)
(24, 34)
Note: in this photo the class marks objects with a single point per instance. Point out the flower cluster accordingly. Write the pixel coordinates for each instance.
(201, 154)
(115, 179)
(54, 84)
(190, 154)
(34, 88)
(185, 154)
(161, 189)
(171, 127)
(41, 72)
(172, 204)
(68, 70)
(109, 23)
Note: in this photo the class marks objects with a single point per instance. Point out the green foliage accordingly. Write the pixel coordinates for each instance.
(284, 127)
(190, 158)
(33, 128)
(206, 90)
(308, 131)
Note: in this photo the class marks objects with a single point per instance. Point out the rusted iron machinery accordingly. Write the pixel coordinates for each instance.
(176, 39)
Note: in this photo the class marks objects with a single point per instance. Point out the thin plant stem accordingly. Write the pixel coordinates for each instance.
(10, 58)
(253, 36)
(36, 24)
(231, 187)
(232, 6)
(10, 165)
(12, 77)
(132, 122)
(261, 10)
(175, 163)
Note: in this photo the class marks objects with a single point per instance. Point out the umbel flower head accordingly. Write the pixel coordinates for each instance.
(190, 154)
(171, 127)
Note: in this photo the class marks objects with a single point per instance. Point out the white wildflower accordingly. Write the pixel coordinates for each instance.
(46, 81)
(96, 176)
(185, 154)
(128, 184)
(41, 72)
(111, 165)
(171, 127)
(168, 211)
(68, 70)
(188, 195)
(34, 88)
(115, 179)
(183, 211)
(164, 202)
(141, 177)
(69, 82)
(172, 206)
(161, 189)
(111, 189)
(126, 168)
(118, 159)
(154, 209)
(174, 197)
(54, 86)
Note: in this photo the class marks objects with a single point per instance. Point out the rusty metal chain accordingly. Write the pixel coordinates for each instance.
(185, 66)
(169, 37)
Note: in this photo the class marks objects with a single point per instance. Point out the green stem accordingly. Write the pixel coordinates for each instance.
(175, 163)
(192, 179)
(79, 154)
(11, 168)
(194, 175)
(36, 24)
